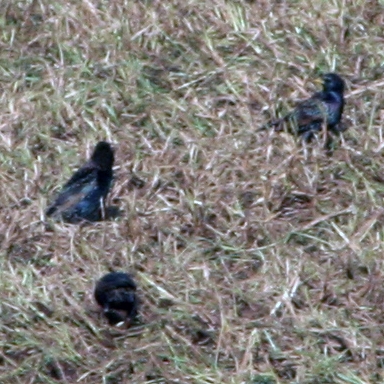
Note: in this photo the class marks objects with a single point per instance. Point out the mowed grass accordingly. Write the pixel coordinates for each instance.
(258, 261)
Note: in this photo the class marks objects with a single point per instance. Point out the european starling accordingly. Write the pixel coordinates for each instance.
(323, 107)
(83, 195)
(115, 292)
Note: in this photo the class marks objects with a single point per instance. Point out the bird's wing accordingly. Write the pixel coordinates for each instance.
(80, 184)
(309, 112)
(83, 175)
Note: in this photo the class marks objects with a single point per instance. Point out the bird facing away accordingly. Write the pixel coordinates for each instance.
(82, 197)
(325, 107)
(115, 293)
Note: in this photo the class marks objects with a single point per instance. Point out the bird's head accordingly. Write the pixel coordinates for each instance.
(103, 155)
(333, 83)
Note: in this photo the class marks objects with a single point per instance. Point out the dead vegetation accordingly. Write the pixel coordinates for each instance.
(257, 260)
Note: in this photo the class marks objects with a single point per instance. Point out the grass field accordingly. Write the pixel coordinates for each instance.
(258, 260)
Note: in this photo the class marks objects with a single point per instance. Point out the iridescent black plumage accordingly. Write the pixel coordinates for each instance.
(82, 196)
(311, 114)
(115, 292)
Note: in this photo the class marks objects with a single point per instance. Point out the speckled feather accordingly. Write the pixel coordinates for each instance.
(82, 196)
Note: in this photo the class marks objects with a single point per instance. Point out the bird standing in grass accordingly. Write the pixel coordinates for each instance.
(82, 197)
(323, 109)
(115, 292)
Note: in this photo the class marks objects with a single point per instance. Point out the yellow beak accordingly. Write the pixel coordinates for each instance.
(318, 81)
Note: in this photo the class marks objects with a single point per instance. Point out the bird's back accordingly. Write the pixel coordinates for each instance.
(81, 196)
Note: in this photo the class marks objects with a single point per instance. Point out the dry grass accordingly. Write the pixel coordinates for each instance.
(258, 261)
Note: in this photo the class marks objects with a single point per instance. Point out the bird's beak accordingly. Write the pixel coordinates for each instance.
(318, 81)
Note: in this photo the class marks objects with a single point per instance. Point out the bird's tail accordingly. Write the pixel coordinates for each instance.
(276, 125)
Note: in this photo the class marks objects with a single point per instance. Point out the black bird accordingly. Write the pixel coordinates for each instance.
(115, 292)
(82, 197)
(310, 115)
